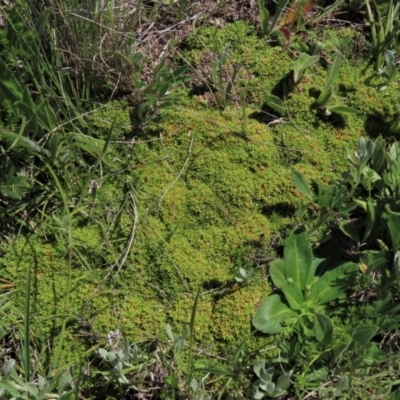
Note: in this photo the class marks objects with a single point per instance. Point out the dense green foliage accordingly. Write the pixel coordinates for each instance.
(151, 204)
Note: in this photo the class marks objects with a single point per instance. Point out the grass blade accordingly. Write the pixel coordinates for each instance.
(280, 8)
(26, 357)
(191, 335)
(334, 72)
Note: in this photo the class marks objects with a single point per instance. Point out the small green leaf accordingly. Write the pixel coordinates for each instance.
(342, 385)
(323, 98)
(323, 328)
(32, 389)
(304, 61)
(259, 367)
(8, 367)
(317, 48)
(342, 110)
(283, 382)
(298, 258)
(275, 103)
(373, 223)
(334, 40)
(306, 323)
(334, 71)
(312, 278)
(19, 141)
(91, 145)
(9, 388)
(293, 295)
(168, 329)
(136, 58)
(304, 48)
(179, 72)
(363, 334)
(379, 156)
(264, 17)
(354, 76)
(392, 219)
(301, 184)
(276, 272)
(394, 152)
(396, 262)
(339, 348)
(382, 87)
(349, 230)
(362, 204)
(391, 70)
(68, 395)
(270, 315)
(369, 151)
(15, 187)
(334, 284)
(42, 21)
(372, 176)
(10, 88)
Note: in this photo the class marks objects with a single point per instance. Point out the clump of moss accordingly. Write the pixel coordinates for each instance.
(241, 302)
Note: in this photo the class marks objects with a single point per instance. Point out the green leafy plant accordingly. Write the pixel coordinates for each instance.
(304, 61)
(12, 386)
(313, 50)
(383, 20)
(125, 367)
(268, 24)
(244, 276)
(323, 332)
(340, 45)
(366, 198)
(33, 380)
(42, 138)
(149, 98)
(327, 91)
(265, 385)
(305, 290)
(275, 103)
(231, 373)
(222, 86)
(189, 384)
(364, 205)
(284, 18)
(390, 74)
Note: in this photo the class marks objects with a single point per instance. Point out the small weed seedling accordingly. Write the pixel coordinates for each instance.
(327, 92)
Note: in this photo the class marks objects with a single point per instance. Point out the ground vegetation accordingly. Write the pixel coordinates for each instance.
(199, 200)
